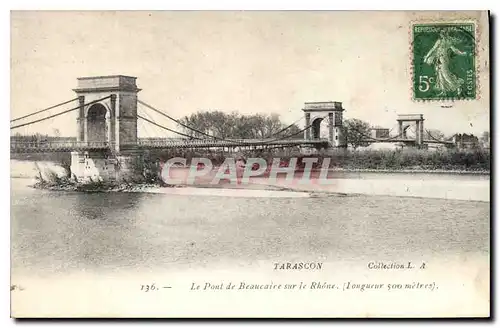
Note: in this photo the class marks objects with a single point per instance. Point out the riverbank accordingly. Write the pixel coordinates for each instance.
(470, 190)
(457, 185)
(415, 170)
(226, 190)
(31, 168)
(474, 161)
(66, 185)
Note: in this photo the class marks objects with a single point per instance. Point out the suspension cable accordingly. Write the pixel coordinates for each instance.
(43, 110)
(412, 130)
(193, 129)
(286, 128)
(364, 135)
(165, 128)
(293, 134)
(370, 138)
(222, 139)
(434, 138)
(431, 136)
(386, 139)
(155, 129)
(61, 113)
(141, 126)
(177, 121)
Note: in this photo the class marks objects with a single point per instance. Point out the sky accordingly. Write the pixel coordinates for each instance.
(250, 62)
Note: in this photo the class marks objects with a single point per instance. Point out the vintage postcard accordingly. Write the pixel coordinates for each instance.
(250, 164)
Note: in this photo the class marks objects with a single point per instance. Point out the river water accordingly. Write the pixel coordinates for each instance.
(62, 232)
(90, 254)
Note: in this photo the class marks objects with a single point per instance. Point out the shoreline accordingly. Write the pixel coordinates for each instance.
(414, 171)
(411, 169)
(375, 171)
(471, 185)
(251, 190)
(360, 170)
(431, 189)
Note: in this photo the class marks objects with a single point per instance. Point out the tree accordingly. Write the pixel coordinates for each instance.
(237, 126)
(357, 132)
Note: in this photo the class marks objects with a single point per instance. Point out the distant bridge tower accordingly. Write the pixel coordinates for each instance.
(112, 121)
(418, 119)
(316, 112)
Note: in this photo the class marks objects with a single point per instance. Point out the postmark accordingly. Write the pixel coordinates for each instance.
(444, 61)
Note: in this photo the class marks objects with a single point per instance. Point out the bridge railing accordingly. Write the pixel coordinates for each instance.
(58, 144)
(242, 142)
(170, 142)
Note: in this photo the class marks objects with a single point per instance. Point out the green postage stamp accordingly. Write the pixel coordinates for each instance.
(444, 61)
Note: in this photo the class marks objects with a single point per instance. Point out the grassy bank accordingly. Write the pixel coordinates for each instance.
(446, 160)
(412, 160)
(477, 160)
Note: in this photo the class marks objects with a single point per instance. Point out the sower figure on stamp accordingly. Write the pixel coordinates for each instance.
(439, 56)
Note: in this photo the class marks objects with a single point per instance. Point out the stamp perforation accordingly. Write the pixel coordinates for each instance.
(477, 57)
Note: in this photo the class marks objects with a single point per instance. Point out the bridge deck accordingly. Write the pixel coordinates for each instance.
(25, 147)
(410, 141)
(68, 146)
(47, 147)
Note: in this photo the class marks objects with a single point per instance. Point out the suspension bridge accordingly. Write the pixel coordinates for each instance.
(109, 115)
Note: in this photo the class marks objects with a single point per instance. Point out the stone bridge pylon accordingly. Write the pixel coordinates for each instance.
(107, 115)
(331, 112)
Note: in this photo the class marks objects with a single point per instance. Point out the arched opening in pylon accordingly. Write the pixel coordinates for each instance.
(316, 128)
(97, 130)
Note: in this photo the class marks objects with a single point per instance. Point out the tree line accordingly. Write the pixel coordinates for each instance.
(237, 126)
(260, 126)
